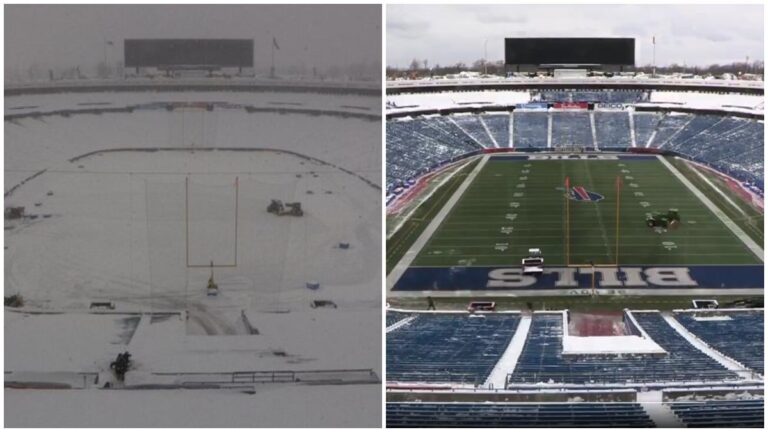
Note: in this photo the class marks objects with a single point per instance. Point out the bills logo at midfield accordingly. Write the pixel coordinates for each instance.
(578, 193)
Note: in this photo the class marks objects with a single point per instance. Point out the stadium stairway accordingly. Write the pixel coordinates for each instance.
(660, 413)
(702, 346)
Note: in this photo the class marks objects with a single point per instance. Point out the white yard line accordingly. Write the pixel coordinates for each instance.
(726, 362)
(488, 131)
(416, 247)
(751, 245)
(506, 364)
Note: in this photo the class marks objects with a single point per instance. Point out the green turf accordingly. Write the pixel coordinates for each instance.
(398, 244)
(497, 220)
(746, 216)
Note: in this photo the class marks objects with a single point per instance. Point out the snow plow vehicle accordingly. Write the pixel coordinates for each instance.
(285, 209)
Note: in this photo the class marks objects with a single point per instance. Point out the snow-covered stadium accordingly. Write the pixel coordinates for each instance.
(137, 221)
(475, 172)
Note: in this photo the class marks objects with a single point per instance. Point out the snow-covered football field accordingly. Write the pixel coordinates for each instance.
(138, 228)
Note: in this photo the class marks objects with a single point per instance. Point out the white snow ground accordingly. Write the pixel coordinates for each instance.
(116, 231)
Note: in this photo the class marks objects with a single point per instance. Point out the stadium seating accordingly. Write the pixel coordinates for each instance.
(668, 126)
(740, 338)
(542, 359)
(571, 129)
(612, 129)
(645, 124)
(473, 126)
(499, 127)
(458, 348)
(530, 129)
(394, 317)
(729, 144)
(414, 147)
(517, 415)
(725, 413)
(597, 96)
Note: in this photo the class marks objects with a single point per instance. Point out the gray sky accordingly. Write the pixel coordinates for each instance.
(694, 34)
(54, 36)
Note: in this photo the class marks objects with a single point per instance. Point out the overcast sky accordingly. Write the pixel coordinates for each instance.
(690, 34)
(67, 36)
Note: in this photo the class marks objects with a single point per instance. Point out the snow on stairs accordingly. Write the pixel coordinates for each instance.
(661, 415)
(725, 361)
(401, 323)
(506, 364)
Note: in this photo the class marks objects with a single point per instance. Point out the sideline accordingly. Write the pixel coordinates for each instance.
(410, 255)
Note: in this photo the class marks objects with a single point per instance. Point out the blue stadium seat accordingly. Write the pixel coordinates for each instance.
(740, 338)
(542, 359)
(612, 129)
(530, 129)
(645, 125)
(498, 124)
(517, 415)
(473, 126)
(571, 129)
(725, 413)
(456, 348)
(394, 317)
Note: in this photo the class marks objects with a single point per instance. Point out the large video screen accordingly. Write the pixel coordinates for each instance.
(188, 52)
(537, 51)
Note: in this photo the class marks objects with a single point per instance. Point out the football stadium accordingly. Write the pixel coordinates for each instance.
(569, 246)
(184, 249)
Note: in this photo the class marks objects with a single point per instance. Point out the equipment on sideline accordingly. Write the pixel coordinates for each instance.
(534, 263)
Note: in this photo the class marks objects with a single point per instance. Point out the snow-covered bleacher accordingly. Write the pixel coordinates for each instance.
(571, 129)
(596, 96)
(517, 415)
(612, 129)
(415, 146)
(738, 335)
(530, 129)
(474, 127)
(463, 348)
(721, 413)
(542, 359)
(645, 124)
(730, 144)
(498, 124)
(395, 317)
(450, 347)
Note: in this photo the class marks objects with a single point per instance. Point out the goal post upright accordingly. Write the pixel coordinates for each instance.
(618, 219)
(567, 222)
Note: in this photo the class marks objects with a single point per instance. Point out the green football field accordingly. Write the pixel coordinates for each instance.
(516, 204)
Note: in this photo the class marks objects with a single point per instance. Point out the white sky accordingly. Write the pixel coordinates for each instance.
(63, 36)
(690, 34)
